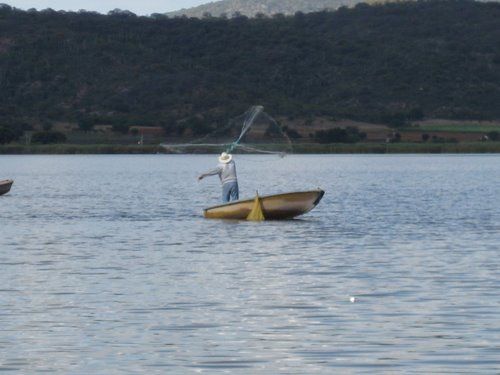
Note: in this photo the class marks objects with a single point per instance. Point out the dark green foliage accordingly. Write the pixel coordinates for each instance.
(398, 118)
(47, 125)
(340, 135)
(86, 124)
(121, 128)
(391, 63)
(11, 130)
(7, 135)
(293, 134)
(493, 136)
(273, 130)
(415, 114)
(47, 137)
(198, 126)
(396, 138)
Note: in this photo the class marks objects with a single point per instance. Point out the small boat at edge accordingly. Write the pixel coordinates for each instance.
(5, 186)
(273, 207)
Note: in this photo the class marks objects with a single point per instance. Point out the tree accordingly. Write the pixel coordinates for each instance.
(198, 126)
(47, 137)
(7, 135)
(340, 135)
(293, 134)
(12, 130)
(86, 124)
(416, 114)
(138, 70)
(493, 136)
(47, 125)
(120, 128)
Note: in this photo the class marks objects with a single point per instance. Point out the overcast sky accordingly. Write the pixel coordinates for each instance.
(103, 6)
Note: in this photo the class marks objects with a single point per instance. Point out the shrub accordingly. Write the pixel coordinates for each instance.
(493, 136)
(47, 137)
(120, 128)
(340, 135)
(293, 134)
(47, 125)
(198, 126)
(7, 135)
(86, 124)
(416, 114)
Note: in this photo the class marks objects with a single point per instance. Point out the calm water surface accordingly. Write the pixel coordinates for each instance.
(107, 267)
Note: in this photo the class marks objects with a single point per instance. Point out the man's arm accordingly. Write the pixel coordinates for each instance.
(212, 172)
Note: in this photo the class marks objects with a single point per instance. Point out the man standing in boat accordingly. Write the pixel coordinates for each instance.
(226, 170)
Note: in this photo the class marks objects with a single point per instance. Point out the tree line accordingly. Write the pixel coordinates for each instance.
(387, 63)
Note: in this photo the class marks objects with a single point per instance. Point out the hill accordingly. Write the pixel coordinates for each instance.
(388, 64)
(266, 7)
(253, 8)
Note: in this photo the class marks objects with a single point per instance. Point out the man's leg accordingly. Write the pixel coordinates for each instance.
(226, 193)
(235, 194)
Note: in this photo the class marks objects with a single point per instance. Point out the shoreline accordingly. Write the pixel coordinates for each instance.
(334, 148)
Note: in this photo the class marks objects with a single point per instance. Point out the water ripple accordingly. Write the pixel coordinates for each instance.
(108, 267)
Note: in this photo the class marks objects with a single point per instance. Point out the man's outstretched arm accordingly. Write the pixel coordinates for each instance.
(212, 172)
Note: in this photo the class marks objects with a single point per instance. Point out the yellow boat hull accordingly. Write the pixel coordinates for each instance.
(274, 207)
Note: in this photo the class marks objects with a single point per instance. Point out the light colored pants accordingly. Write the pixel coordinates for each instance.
(230, 192)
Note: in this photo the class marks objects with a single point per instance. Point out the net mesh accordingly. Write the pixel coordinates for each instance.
(252, 132)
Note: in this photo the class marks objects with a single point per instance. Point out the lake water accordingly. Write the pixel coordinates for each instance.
(107, 267)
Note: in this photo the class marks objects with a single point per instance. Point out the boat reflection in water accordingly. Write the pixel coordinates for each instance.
(271, 207)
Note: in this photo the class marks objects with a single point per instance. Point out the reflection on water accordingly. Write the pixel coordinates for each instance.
(108, 267)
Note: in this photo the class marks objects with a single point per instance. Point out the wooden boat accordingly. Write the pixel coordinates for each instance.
(272, 207)
(5, 186)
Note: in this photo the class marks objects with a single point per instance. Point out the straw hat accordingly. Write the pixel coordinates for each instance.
(225, 158)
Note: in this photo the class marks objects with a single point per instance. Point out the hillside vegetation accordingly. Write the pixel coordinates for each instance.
(387, 64)
(256, 8)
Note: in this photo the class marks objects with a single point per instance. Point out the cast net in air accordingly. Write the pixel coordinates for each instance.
(252, 132)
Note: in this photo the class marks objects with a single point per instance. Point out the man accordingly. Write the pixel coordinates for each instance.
(226, 170)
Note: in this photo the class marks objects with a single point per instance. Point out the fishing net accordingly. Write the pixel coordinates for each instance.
(252, 132)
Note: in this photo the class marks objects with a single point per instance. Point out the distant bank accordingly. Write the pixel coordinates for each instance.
(333, 148)
(391, 64)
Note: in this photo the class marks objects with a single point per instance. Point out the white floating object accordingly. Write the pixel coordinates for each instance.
(353, 299)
